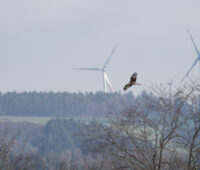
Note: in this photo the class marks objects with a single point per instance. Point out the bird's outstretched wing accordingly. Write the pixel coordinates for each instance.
(127, 86)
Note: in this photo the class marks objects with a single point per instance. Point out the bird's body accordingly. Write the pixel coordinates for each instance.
(132, 81)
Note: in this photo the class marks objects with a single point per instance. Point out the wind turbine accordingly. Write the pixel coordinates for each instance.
(106, 81)
(198, 56)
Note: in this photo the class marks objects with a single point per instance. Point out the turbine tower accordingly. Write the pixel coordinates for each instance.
(106, 81)
(198, 56)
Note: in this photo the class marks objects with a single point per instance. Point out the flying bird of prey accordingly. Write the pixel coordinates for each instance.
(132, 81)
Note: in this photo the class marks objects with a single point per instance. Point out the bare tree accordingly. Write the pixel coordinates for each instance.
(144, 136)
(189, 140)
(10, 160)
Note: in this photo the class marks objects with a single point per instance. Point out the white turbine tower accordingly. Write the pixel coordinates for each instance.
(106, 81)
(198, 56)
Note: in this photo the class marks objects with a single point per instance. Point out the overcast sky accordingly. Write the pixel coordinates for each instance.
(42, 40)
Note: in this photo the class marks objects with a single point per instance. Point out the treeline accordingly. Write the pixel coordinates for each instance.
(56, 137)
(61, 104)
(57, 145)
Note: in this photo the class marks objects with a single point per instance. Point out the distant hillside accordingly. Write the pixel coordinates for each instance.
(61, 103)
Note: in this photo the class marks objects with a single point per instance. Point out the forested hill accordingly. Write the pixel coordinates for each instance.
(61, 103)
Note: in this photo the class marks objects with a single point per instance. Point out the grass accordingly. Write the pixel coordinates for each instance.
(41, 120)
(31, 119)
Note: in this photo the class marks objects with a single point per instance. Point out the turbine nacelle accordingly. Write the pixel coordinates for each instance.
(104, 69)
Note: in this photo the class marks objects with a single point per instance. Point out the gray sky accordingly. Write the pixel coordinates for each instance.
(42, 40)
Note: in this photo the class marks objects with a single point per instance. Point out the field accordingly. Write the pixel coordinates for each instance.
(41, 120)
(32, 119)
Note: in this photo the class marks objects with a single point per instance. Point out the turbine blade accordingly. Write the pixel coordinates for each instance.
(91, 69)
(108, 82)
(190, 69)
(196, 49)
(107, 61)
